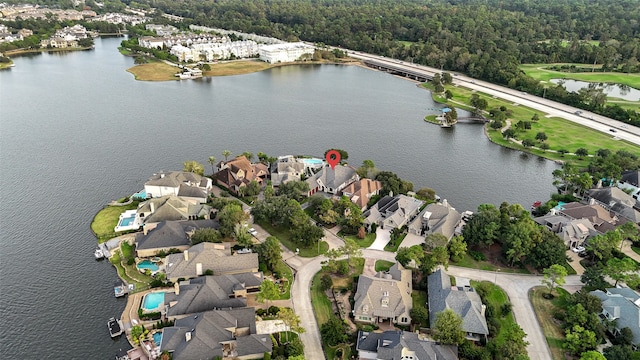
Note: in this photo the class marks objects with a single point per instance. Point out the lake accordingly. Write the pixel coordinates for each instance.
(77, 131)
(612, 90)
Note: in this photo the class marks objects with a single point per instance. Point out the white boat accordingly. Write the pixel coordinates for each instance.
(98, 254)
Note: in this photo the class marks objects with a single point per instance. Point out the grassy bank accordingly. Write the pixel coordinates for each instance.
(106, 220)
(551, 328)
(543, 73)
(154, 71)
(236, 68)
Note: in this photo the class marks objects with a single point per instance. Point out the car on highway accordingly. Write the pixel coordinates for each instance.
(578, 112)
(613, 130)
(578, 249)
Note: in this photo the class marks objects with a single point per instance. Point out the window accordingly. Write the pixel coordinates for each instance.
(404, 320)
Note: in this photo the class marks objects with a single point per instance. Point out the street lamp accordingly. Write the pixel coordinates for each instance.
(495, 279)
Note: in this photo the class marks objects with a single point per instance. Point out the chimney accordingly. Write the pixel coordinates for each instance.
(144, 230)
(161, 175)
(445, 203)
(199, 269)
(187, 336)
(186, 255)
(152, 206)
(592, 201)
(176, 288)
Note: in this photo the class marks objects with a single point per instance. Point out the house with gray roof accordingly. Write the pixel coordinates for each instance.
(630, 181)
(402, 345)
(206, 293)
(575, 232)
(436, 218)
(392, 212)
(287, 168)
(332, 181)
(463, 300)
(190, 186)
(617, 201)
(168, 235)
(384, 297)
(623, 306)
(227, 334)
(205, 256)
(171, 208)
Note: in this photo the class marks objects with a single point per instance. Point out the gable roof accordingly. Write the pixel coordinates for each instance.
(463, 301)
(171, 234)
(216, 257)
(171, 208)
(209, 330)
(176, 178)
(206, 293)
(621, 308)
(440, 218)
(394, 211)
(386, 294)
(229, 170)
(332, 178)
(397, 345)
(360, 191)
(631, 177)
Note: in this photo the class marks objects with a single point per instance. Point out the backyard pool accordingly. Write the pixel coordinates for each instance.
(157, 338)
(153, 301)
(147, 264)
(127, 221)
(313, 162)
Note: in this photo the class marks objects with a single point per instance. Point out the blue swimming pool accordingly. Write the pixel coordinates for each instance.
(157, 338)
(313, 161)
(153, 301)
(127, 221)
(147, 264)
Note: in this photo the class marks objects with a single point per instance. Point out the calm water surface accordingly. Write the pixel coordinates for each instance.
(76, 131)
(611, 90)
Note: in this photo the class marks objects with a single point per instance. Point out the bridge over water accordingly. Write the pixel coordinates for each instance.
(398, 70)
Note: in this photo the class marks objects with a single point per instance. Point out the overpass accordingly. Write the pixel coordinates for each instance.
(398, 70)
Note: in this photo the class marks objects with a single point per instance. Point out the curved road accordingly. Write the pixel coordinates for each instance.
(515, 285)
(586, 118)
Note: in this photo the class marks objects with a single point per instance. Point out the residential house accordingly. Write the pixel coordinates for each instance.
(239, 172)
(168, 235)
(623, 306)
(392, 212)
(286, 169)
(187, 185)
(209, 256)
(226, 334)
(617, 201)
(402, 345)
(602, 219)
(436, 218)
(332, 181)
(206, 293)
(576, 232)
(384, 297)
(360, 192)
(462, 299)
(630, 181)
(171, 208)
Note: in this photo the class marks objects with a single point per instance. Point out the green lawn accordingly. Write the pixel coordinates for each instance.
(284, 236)
(419, 298)
(383, 265)
(285, 271)
(393, 246)
(542, 73)
(544, 312)
(468, 262)
(497, 297)
(636, 249)
(363, 243)
(106, 220)
(129, 273)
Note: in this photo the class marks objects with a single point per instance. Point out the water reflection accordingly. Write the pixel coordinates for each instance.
(621, 91)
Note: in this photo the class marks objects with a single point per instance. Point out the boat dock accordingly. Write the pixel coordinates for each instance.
(115, 327)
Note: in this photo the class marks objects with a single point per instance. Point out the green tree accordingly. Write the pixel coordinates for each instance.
(447, 328)
(434, 240)
(270, 253)
(554, 276)
(344, 156)
(291, 320)
(618, 269)
(268, 291)
(579, 340)
(550, 250)
(448, 94)
(243, 238)
(326, 282)
(528, 143)
(248, 155)
(420, 315)
(541, 136)
(230, 216)
(212, 161)
(514, 345)
(447, 78)
(427, 194)
(535, 117)
(440, 255)
(581, 153)
(333, 332)
(592, 355)
(226, 154)
(351, 248)
(509, 133)
(457, 248)
(194, 167)
(544, 146)
(405, 255)
(367, 170)
(483, 228)
(295, 349)
(593, 279)
(296, 190)
(205, 235)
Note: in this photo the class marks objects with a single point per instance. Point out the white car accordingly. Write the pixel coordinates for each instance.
(253, 232)
(578, 249)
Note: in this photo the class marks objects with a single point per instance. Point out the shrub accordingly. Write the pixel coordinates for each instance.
(274, 310)
(477, 255)
(208, 272)
(131, 261)
(505, 309)
(343, 268)
(326, 282)
(260, 312)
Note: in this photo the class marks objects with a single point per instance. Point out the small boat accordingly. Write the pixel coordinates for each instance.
(98, 254)
(536, 205)
(115, 326)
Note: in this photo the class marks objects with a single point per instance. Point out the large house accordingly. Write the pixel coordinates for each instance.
(227, 334)
(189, 186)
(360, 192)
(209, 256)
(287, 168)
(168, 235)
(402, 345)
(392, 212)
(286, 52)
(630, 181)
(384, 297)
(623, 306)
(436, 218)
(206, 293)
(239, 172)
(462, 299)
(171, 208)
(332, 181)
(617, 201)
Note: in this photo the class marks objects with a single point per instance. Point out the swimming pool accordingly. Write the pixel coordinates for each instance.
(147, 264)
(127, 221)
(157, 338)
(153, 301)
(313, 162)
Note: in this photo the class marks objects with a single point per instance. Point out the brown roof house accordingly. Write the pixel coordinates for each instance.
(384, 297)
(228, 334)
(171, 208)
(209, 256)
(436, 218)
(332, 181)
(360, 192)
(239, 172)
(189, 186)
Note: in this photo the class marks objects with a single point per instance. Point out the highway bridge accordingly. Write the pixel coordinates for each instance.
(398, 70)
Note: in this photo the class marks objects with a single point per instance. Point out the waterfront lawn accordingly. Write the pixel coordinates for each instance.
(363, 243)
(543, 73)
(154, 71)
(236, 68)
(383, 265)
(284, 236)
(106, 220)
(129, 273)
(545, 309)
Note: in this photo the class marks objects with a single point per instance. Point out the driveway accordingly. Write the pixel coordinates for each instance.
(412, 239)
(626, 249)
(382, 239)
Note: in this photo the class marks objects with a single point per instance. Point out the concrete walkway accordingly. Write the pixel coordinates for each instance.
(626, 249)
